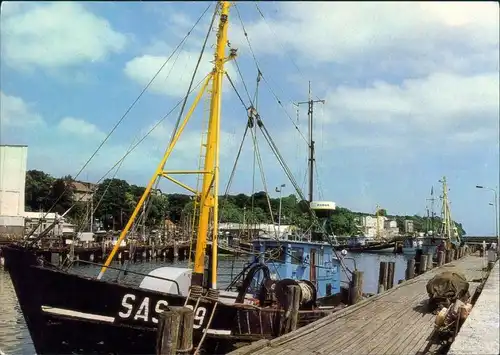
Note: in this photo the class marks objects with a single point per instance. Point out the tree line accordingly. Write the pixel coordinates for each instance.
(115, 200)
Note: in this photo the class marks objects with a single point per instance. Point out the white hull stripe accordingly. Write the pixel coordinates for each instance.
(75, 314)
(218, 331)
(90, 316)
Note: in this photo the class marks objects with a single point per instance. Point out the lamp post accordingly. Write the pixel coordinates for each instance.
(280, 189)
(496, 210)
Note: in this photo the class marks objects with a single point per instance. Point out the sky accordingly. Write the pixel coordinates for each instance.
(411, 95)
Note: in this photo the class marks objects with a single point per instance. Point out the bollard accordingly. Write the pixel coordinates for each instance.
(185, 339)
(383, 275)
(168, 333)
(491, 264)
(410, 269)
(390, 274)
(356, 289)
(447, 258)
(294, 293)
(422, 267)
(440, 258)
(430, 264)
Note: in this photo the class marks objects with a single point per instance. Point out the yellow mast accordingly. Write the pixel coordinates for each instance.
(448, 228)
(209, 194)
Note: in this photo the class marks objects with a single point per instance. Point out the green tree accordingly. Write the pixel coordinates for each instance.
(37, 190)
(115, 207)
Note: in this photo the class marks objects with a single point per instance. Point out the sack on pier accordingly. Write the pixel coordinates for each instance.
(445, 288)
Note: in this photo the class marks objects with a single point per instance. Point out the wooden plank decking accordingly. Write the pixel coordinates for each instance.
(394, 322)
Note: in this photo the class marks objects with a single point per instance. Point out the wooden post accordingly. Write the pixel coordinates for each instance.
(167, 333)
(447, 258)
(430, 264)
(410, 269)
(491, 264)
(382, 274)
(454, 254)
(294, 296)
(422, 267)
(440, 258)
(185, 338)
(356, 288)
(390, 274)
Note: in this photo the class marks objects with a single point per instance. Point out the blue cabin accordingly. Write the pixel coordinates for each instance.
(302, 260)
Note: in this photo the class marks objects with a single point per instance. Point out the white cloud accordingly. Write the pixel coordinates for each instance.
(55, 35)
(79, 128)
(421, 36)
(188, 145)
(175, 76)
(15, 112)
(441, 100)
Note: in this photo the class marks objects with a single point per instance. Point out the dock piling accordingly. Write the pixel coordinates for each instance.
(440, 258)
(168, 333)
(294, 293)
(430, 263)
(390, 274)
(422, 266)
(448, 256)
(356, 288)
(383, 275)
(410, 269)
(185, 338)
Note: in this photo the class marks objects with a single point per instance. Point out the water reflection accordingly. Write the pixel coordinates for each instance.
(14, 335)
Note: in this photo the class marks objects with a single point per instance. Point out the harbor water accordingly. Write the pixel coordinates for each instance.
(15, 338)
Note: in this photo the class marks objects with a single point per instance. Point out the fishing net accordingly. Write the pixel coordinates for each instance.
(445, 288)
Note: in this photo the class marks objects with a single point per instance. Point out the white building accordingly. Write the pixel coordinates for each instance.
(369, 224)
(261, 228)
(13, 161)
(33, 219)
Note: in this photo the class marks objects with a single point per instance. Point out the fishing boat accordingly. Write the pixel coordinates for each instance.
(364, 244)
(447, 236)
(70, 313)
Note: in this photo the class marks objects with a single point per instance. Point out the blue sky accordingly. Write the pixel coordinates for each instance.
(411, 90)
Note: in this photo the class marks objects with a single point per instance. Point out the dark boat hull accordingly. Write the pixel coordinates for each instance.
(378, 247)
(67, 313)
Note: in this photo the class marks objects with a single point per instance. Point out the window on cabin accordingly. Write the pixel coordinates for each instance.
(297, 255)
(320, 255)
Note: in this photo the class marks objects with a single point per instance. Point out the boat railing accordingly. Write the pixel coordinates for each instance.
(353, 261)
(128, 272)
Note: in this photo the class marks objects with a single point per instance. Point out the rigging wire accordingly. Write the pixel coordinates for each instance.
(280, 103)
(148, 203)
(290, 176)
(81, 225)
(261, 13)
(127, 111)
(34, 240)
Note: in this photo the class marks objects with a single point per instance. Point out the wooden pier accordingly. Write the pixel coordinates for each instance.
(393, 322)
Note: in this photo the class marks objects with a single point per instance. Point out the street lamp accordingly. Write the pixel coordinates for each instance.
(496, 210)
(280, 189)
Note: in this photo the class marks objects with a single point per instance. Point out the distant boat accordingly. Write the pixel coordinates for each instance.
(360, 244)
